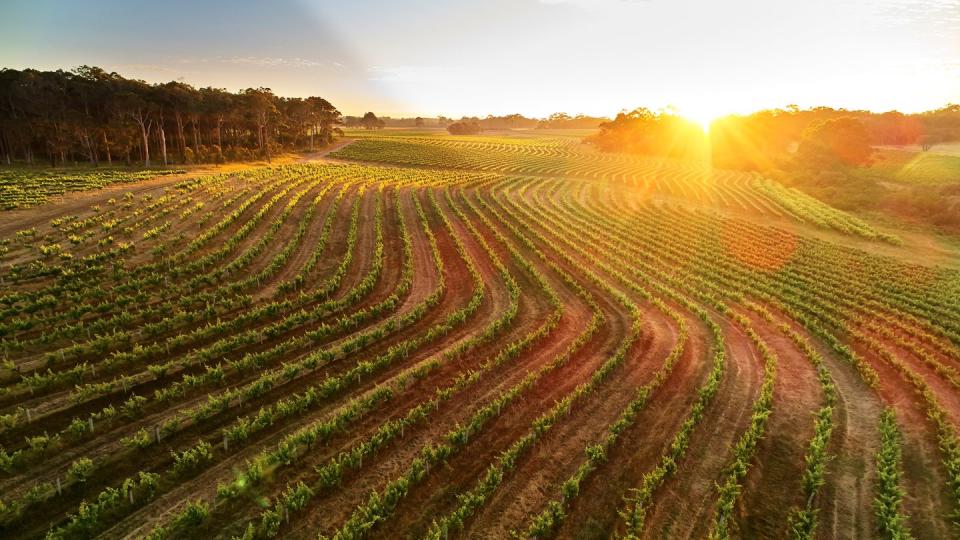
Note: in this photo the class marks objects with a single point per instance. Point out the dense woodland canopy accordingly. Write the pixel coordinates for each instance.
(90, 115)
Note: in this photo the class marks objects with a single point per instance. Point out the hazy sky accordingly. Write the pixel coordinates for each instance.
(501, 56)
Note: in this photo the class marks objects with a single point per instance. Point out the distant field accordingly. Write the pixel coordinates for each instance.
(948, 149)
(916, 167)
(473, 337)
(578, 133)
(562, 157)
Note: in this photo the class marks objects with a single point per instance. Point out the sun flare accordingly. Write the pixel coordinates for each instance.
(703, 116)
(704, 123)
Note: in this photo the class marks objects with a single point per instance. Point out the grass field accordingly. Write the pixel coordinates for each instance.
(916, 167)
(434, 337)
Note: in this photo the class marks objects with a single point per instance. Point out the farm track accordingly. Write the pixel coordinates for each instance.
(594, 511)
(433, 349)
(773, 487)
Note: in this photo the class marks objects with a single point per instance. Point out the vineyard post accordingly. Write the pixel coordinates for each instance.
(91, 424)
(29, 418)
(226, 445)
(59, 487)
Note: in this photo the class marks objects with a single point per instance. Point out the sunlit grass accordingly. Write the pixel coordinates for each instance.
(916, 167)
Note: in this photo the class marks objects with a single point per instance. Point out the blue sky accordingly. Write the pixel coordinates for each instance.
(501, 56)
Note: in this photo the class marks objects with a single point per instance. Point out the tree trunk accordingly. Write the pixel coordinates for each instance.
(146, 146)
(6, 148)
(196, 139)
(163, 145)
(106, 146)
(266, 142)
(181, 142)
(94, 158)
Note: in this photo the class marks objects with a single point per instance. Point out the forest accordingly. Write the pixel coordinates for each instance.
(89, 115)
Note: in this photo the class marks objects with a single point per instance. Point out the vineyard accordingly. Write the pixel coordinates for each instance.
(23, 189)
(472, 337)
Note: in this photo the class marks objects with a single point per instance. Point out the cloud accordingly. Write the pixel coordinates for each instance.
(267, 61)
(264, 61)
(405, 73)
(143, 68)
(593, 3)
(944, 14)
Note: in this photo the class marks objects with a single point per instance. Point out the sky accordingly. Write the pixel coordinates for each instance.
(534, 57)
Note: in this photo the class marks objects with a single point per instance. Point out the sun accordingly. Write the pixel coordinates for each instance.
(702, 118)
(704, 123)
(703, 114)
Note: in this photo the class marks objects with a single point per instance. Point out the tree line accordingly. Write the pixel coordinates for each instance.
(642, 131)
(828, 153)
(91, 115)
(773, 138)
(509, 121)
(820, 137)
(368, 121)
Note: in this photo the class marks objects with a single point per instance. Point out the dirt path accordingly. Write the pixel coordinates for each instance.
(309, 157)
(846, 500)
(593, 514)
(683, 506)
(536, 479)
(772, 488)
(927, 501)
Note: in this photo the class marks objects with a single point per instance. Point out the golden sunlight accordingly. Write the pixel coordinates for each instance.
(703, 114)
